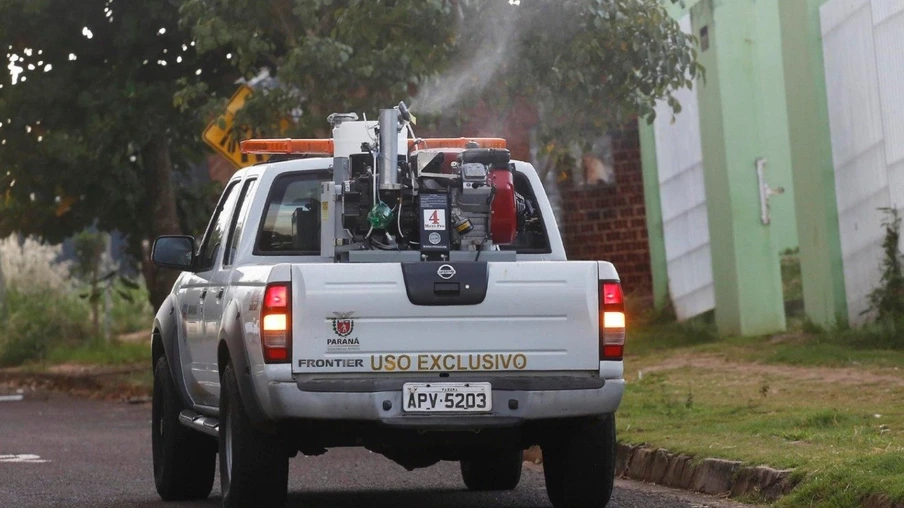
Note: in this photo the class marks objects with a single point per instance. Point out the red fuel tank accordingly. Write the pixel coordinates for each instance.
(503, 222)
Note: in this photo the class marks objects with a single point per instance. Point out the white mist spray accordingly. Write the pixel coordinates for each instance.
(499, 31)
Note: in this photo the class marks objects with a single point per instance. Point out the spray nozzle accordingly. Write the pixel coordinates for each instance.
(405, 114)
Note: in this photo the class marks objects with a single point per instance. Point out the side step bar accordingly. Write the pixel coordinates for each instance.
(205, 424)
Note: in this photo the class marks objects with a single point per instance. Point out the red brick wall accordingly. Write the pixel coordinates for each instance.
(608, 222)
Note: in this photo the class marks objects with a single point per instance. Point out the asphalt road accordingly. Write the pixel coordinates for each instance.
(62, 451)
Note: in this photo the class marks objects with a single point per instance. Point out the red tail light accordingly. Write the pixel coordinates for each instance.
(276, 324)
(612, 321)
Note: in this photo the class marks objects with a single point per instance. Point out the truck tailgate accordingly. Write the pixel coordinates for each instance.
(536, 316)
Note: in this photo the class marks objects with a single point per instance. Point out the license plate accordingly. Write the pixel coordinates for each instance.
(447, 397)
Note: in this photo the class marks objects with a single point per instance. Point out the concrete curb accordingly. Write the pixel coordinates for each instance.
(708, 476)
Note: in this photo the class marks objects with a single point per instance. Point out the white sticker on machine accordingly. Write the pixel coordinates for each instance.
(434, 219)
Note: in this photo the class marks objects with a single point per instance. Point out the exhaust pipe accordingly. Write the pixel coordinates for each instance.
(389, 149)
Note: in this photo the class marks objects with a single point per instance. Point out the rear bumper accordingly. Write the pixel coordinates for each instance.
(515, 400)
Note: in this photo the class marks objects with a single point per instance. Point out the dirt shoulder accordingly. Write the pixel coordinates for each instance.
(889, 376)
(130, 382)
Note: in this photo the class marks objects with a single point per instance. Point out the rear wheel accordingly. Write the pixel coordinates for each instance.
(493, 470)
(184, 460)
(254, 465)
(579, 464)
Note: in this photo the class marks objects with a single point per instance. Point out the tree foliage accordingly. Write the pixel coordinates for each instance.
(586, 66)
(89, 130)
(325, 55)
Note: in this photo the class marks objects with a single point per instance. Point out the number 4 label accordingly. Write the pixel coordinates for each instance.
(435, 219)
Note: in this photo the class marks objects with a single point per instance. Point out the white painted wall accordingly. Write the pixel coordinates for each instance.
(686, 227)
(863, 43)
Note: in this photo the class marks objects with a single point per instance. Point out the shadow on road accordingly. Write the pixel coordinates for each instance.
(419, 498)
(407, 499)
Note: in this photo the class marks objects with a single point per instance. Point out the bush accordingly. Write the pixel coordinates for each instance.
(31, 266)
(130, 316)
(887, 300)
(32, 323)
(40, 309)
(43, 316)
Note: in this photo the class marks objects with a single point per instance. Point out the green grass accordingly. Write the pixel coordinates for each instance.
(831, 355)
(848, 484)
(800, 401)
(649, 340)
(802, 350)
(100, 353)
(886, 334)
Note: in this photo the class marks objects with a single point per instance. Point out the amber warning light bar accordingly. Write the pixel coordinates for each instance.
(325, 146)
(285, 146)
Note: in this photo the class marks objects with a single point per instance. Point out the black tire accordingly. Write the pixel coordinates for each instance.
(493, 470)
(184, 459)
(579, 465)
(254, 465)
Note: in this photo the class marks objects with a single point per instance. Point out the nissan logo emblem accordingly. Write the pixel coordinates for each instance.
(446, 272)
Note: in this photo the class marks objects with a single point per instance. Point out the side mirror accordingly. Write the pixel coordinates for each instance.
(176, 252)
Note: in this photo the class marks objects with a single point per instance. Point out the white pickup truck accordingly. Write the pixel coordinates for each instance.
(411, 296)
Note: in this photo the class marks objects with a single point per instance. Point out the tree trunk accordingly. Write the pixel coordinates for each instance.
(95, 309)
(2, 288)
(161, 199)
